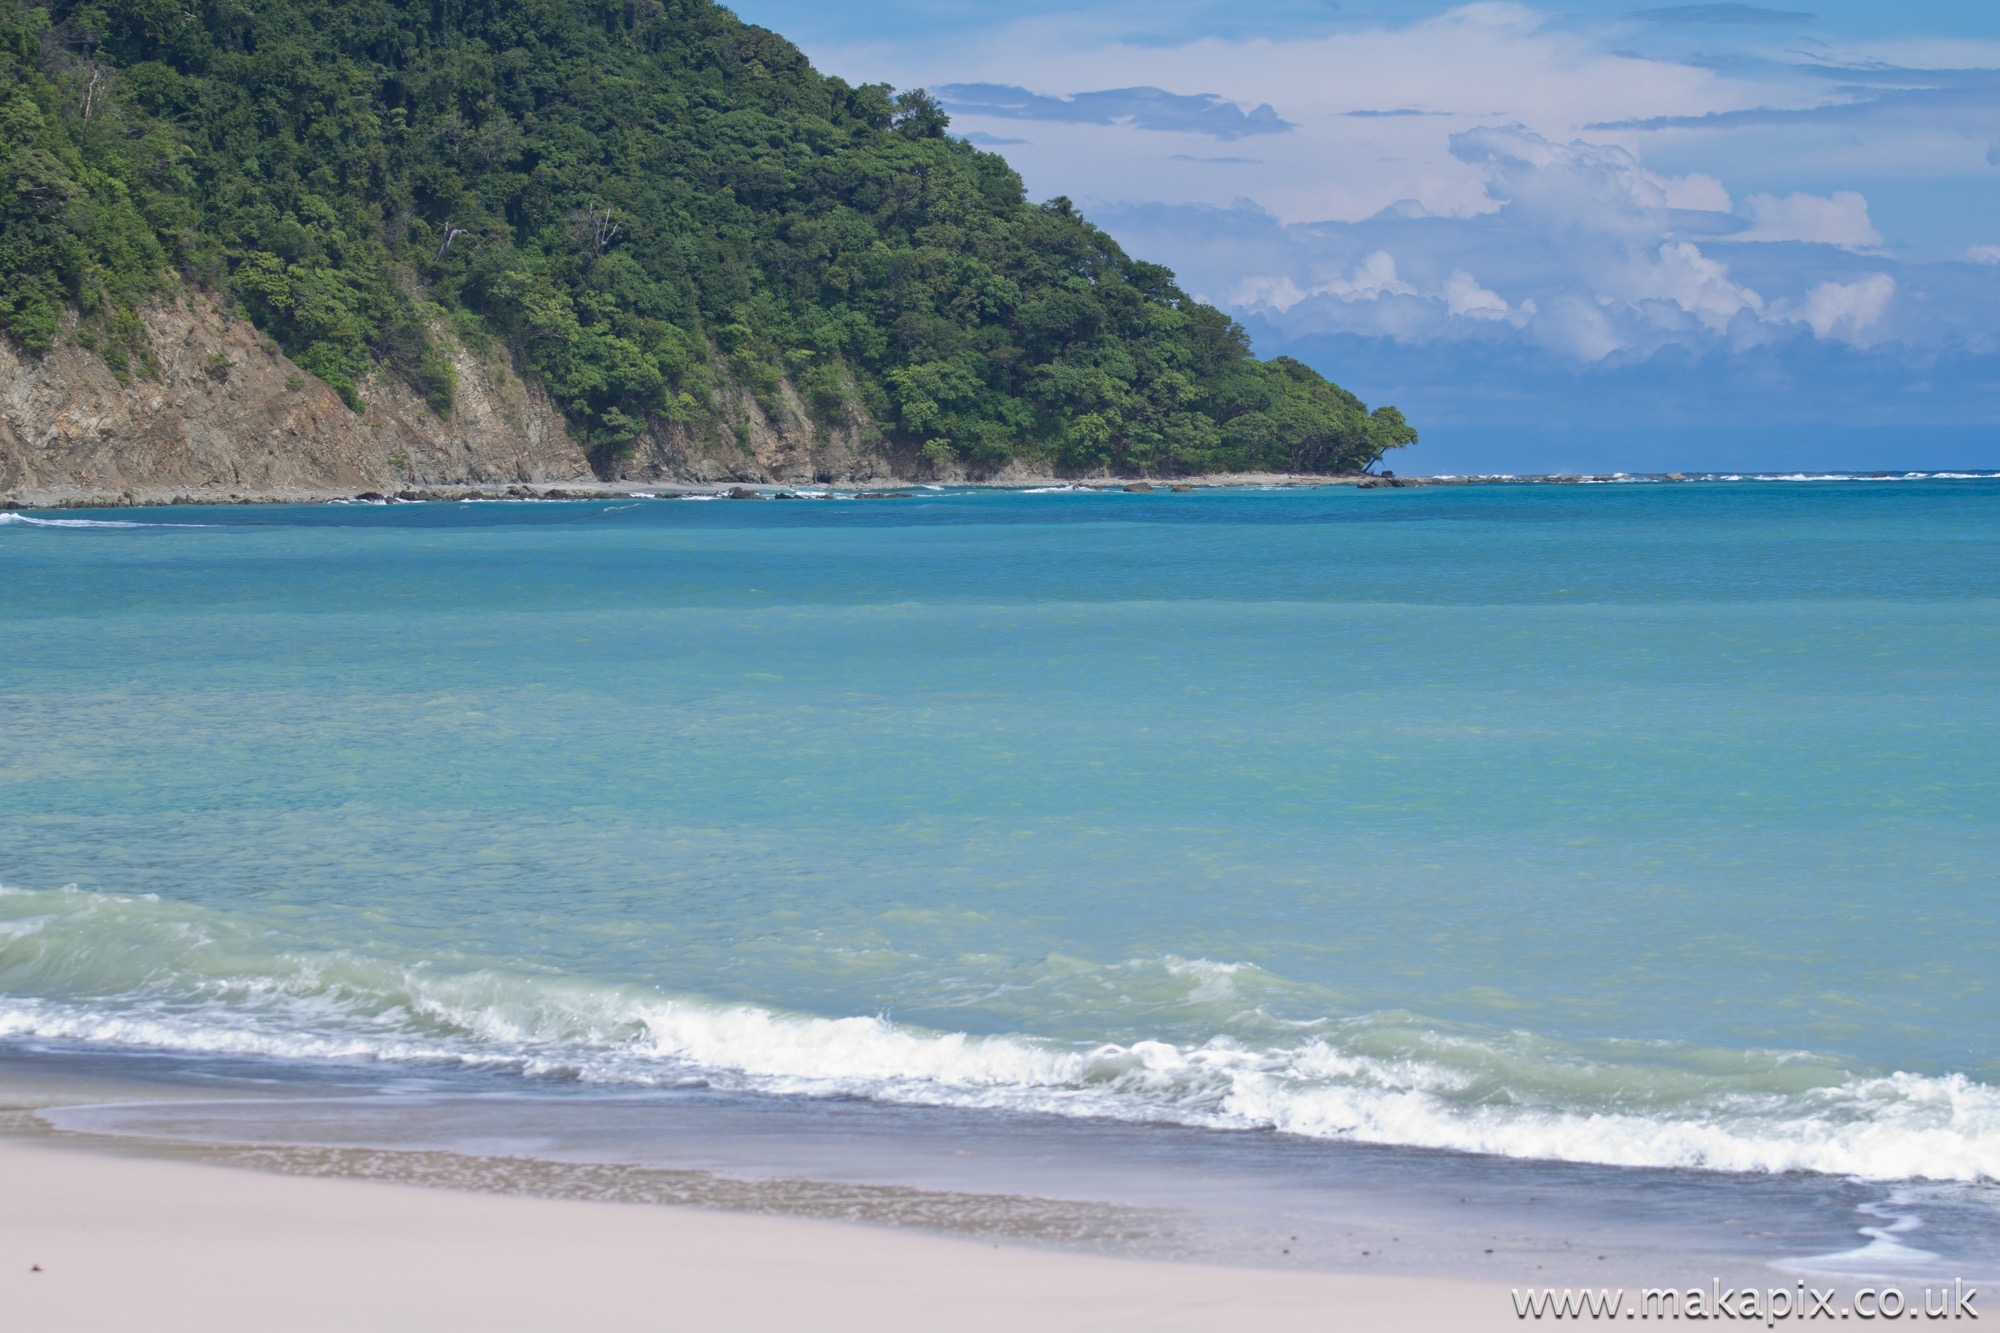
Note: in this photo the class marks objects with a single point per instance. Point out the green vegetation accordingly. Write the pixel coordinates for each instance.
(643, 201)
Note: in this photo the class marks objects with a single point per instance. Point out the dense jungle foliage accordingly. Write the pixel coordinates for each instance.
(639, 198)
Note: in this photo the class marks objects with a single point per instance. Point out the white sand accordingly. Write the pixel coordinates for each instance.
(128, 1243)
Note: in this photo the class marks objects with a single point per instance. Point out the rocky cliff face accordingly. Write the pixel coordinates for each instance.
(229, 416)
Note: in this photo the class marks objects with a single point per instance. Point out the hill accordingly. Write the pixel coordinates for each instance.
(664, 219)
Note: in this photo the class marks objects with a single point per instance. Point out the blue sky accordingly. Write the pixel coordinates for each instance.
(1580, 237)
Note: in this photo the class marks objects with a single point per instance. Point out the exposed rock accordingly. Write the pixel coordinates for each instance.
(68, 425)
(264, 428)
(1140, 487)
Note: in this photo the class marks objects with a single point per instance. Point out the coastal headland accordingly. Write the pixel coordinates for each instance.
(307, 251)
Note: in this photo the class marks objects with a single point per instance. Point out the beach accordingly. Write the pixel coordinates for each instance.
(125, 1242)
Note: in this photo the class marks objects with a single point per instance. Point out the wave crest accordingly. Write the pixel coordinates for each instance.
(141, 972)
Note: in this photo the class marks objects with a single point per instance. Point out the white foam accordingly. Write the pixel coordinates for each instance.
(9, 516)
(1885, 1253)
(125, 971)
(1900, 1126)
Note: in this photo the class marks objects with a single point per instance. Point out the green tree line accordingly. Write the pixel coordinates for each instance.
(638, 199)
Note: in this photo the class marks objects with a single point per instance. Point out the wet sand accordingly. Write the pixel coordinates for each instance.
(125, 1242)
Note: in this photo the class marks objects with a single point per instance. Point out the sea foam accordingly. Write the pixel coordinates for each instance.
(27, 520)
(133, 972)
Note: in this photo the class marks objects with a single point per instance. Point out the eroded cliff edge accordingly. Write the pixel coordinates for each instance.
(225, 414)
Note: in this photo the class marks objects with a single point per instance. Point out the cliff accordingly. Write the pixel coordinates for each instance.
(226, 414)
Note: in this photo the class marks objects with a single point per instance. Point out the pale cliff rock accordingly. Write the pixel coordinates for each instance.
(787, 447)
(228, 415)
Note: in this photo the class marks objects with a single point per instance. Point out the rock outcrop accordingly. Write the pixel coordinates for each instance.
(226, 414)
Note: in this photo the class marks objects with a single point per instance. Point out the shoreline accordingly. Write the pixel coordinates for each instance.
(1262, 1202)
(93, 1239)
(81, 497)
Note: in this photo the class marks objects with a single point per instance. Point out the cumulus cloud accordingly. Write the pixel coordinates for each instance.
(1840, 219)
(1463, 296)
(1265, 292)
(1579, 250)
(1585, 187)
(1577, 327)
(1843, 311)
(1696, 192)
(1596, 210)
(1680, 274)
(1984, 254)
(1373, 278)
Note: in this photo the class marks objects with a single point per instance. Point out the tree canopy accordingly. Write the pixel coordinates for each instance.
(640, 199)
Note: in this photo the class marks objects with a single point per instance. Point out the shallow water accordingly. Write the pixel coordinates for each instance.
(1642, 825)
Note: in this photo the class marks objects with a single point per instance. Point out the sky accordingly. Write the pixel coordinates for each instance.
(1584, 237)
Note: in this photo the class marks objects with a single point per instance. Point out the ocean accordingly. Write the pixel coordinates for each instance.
(1620, 842)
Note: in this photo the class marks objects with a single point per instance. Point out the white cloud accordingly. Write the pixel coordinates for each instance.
(1373, 278)
(1266, 293)
(1840, 219)
(1589, 186)
(1984, 254)
(1463, 296)
(1579, 250)
(1594, 208)
(1474, 64)
(1373, 283)
(1578, 328)
(1696, 192)
(1701, 286)
(1843, 311)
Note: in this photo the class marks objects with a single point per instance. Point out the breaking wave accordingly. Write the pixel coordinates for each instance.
(139, 972)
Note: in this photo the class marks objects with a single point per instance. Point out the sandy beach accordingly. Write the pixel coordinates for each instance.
(92, 1240)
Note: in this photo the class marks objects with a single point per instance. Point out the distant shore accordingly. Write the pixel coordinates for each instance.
(71, 497)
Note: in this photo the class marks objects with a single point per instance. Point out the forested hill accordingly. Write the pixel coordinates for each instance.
(653, 206)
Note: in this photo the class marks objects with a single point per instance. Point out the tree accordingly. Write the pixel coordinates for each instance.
(635, 201)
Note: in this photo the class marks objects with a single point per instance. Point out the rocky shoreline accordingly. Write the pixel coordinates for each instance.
(57, 498)
(882, 488)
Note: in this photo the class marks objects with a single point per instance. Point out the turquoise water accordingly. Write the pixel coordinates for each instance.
(1640, 824)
